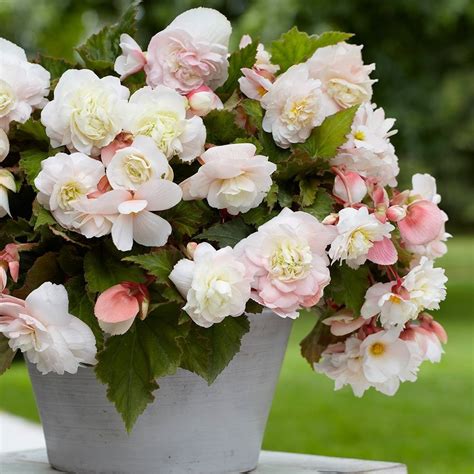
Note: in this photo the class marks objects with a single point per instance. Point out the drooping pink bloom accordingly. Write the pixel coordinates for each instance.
(122, 140)
(117, 307)
(422, 224)
(344, 322)
(349, 187)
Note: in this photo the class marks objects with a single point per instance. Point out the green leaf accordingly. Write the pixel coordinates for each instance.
(101, 49)
(322, 205)
(159, 263)
(103, 270)
(42, 216)
(222, 128)
(258, 216)
(272, 197)
(308, 191)
(348, 286)
(295, 46)
(188, 217)
(285, 197)
(275, 154)
(207, 352)
(70, 260)
(131, 363)
(239, 59)
(228, 233)
(45, 268)
(30, 164)
(56, 66)
(254, 112)
(313, 345)
(81, 306)
(31, 130)
(6, 354)
(330, 135)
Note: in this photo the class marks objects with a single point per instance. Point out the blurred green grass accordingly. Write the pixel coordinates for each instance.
(429, 425)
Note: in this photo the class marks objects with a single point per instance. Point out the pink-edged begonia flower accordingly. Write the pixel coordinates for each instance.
(349, 187)
(343, 322)
(253, 84)
(202, 100)
(190, 52)
(344, 77)
(231, 177)
(360, 237)
(215, 284)
(118, 306)
(288, 261)
(122, 140)
(132, 59)
(43, 329)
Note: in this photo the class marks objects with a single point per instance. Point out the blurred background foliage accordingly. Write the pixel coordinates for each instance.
(424, 51)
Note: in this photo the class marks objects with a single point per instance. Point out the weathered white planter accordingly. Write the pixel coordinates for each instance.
(190, 428)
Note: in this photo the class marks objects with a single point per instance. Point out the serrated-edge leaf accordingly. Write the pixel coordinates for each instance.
(227, 233)
(30, 164)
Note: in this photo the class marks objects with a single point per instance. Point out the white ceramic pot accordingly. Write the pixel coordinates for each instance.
(190, 428)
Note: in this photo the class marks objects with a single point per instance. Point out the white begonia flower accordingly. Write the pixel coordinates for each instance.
(293, 106)
(23, 85)
(231, 177)
(371, 130)
(64, 180)
(137, 164)
(389, 360)
(43, 329)
(4, 145)
(87, 112)
(160, 113)
(342, 362)
(7, 183)
(424, 187)
(344, 77)
(395, 309)
(215, 284)
(426, 285)
(357, 232)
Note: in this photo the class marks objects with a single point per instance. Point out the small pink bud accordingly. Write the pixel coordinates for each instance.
(202, 100)
(190, 249)
(396, 213)
(349, 187)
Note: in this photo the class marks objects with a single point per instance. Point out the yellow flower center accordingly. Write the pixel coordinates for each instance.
(377, 349)
(291, 261)
(138, 168)
(395, 299)
(359, 135)
(69, 192)
(7, 98)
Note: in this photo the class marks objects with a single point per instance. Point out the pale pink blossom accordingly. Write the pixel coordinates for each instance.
(24, 86)
(253, 84)
(10, 257)
(360, 237)
(202, 100)
(262, 58)
(424, 188)
(190, 52)
(7, 183)
(287, 258)
(117, 307)
(231, 177)
(132, 59)
(43, 329)
(215, 284)
(344, 77)
(293, 106)
(343, 322)
(122, 140)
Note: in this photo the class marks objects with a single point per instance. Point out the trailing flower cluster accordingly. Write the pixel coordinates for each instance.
(160, 193)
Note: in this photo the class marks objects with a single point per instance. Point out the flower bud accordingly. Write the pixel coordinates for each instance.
(396, 213)
(4, 145)
(190, 248)
(202, 100)
(331, 219)
(349, 187)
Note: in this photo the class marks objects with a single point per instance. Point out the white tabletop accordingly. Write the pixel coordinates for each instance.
(35, 462)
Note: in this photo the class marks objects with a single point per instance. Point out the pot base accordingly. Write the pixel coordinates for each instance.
(190, 428)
